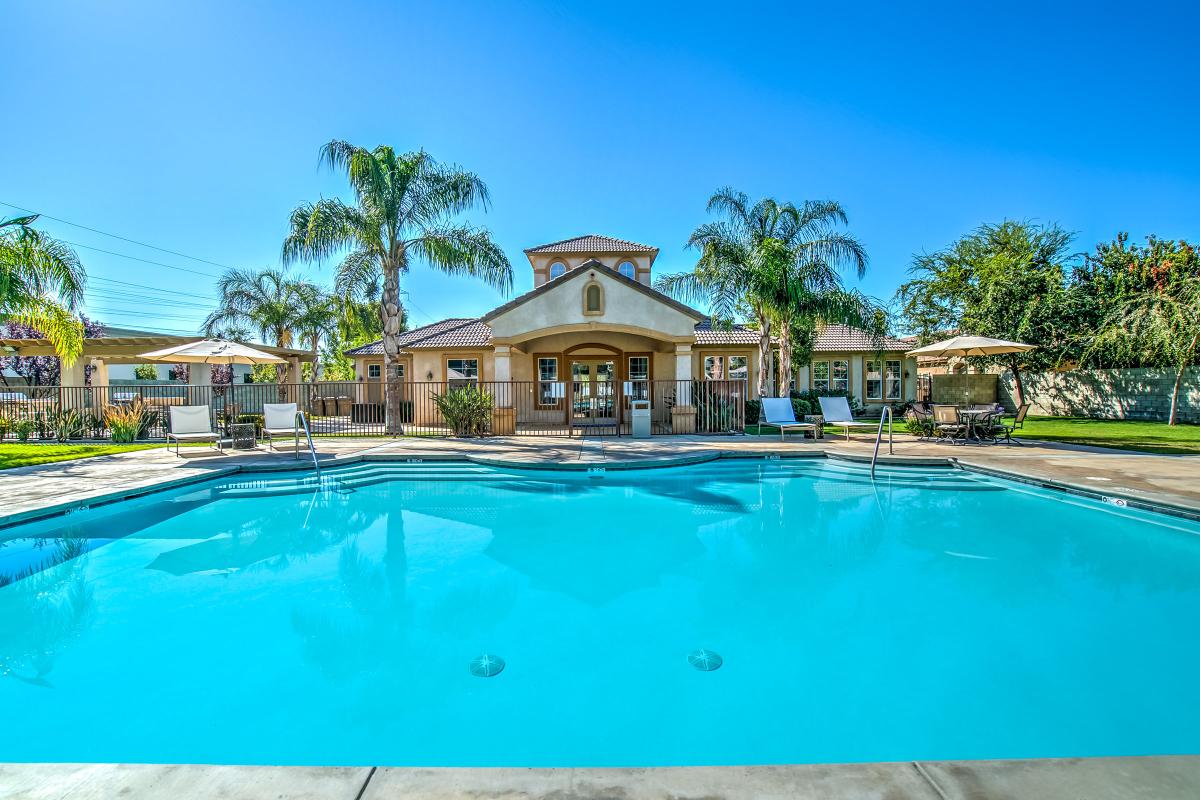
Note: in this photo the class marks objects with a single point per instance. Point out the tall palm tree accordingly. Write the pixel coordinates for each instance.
(316, 319)
(405, 209)
(41, 283)
(782, 263)
(265, 302)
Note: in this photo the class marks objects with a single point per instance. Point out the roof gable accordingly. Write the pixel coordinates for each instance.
(583, 270)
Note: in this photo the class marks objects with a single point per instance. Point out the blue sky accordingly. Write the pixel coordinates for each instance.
(195, 127)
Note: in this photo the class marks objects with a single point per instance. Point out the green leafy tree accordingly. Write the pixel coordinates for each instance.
(145, 372)
(406, 207)
(315, 322)
(1158, 327)
(41, 284)
(1007, 281)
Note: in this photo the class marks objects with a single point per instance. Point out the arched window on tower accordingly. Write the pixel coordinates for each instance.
(557, 270)
(628, 269)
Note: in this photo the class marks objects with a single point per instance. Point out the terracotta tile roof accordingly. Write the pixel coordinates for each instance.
(838, 338)
(706, 333)
(592, 243)
(455, 332)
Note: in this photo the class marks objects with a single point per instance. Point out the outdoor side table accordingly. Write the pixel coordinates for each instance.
(818, 420)
(243, 435)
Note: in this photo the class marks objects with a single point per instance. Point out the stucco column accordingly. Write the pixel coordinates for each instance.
(683, 415)
(856, 377)
(504, 416)
(100, 391)
(199, 391)
(72, 380)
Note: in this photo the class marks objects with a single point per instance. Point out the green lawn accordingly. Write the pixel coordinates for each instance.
(22, 455)
(1151, 437)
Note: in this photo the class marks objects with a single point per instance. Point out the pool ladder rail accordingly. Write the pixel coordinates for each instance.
(302, 424)
(887, 414)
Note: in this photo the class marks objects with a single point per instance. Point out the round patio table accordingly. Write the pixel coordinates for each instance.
(972, 416)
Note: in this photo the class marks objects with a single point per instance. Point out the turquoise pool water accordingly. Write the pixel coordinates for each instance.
(930, 615)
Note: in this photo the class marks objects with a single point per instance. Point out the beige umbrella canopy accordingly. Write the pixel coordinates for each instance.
(965, 346)
(213, 351)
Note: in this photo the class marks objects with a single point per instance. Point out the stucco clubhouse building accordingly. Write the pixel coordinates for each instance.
(593, 336)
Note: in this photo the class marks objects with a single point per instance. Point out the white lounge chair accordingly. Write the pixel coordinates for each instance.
(836, 411)
(279, 422)
(779, 412)
(191, 424)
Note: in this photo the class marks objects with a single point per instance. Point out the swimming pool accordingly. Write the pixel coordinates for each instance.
(932, 614)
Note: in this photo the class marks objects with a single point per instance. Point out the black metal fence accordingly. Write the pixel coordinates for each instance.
(513, 408)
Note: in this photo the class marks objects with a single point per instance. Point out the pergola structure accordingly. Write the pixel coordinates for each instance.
(105, 350)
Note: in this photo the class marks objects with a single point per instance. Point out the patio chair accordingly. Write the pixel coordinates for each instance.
(191, 424)
(836, 411)
(778, 412)
(279, 422)
(948, 426)
(1000, 429)
(920, 414)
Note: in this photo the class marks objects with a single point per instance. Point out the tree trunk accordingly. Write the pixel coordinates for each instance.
(391, 315)
(1020, 387)
(784, 389)
(1189, 356)
(765, 368)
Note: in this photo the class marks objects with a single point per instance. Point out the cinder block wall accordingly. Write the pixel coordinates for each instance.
(957, 390)
(1107, 393)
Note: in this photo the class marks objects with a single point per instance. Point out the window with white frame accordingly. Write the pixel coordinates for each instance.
(727, 368)
(557, 270)
(839, 380)
(550, 390)
(639, 378)
(893, 382)
(628, 269)
(873, 383)
(374, 370)
(738, 368)
(820, 375)
(462, 372)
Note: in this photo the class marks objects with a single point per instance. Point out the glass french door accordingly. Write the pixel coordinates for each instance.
(593, 396)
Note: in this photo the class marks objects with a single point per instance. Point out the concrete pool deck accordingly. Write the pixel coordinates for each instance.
(1157, 777)
(1172, 481)
(1165, 482)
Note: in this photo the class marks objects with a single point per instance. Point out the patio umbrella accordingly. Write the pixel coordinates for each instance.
(970, 346)
(213, 351)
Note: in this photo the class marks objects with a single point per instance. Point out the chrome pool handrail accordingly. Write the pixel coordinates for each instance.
(887, 413)
(302, 422)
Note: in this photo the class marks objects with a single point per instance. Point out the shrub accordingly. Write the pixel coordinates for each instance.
(130, 422)
(919, 427)
(468, 410)
(23, 428)
(65, 424)
(5, 426)
(145, 372)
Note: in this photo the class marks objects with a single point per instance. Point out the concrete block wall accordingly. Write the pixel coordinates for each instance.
(958, 390)
(1107, 394)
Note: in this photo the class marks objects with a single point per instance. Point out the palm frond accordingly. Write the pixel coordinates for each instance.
(463, 250)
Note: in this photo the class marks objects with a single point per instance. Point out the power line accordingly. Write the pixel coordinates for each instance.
(151, 288)
(115, 236)
(110, 294)
(143, 260)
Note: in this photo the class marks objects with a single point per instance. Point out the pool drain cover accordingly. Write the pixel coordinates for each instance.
(486, 666)
(705, 660)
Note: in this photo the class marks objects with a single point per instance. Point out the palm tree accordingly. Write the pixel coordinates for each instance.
(41, 283)
(316, 319)
(1157, 326)
(405, 208)
(264, 302)
(781, 263)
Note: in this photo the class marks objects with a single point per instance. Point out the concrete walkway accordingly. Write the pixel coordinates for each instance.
(1151, 778)
(1158, 480)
